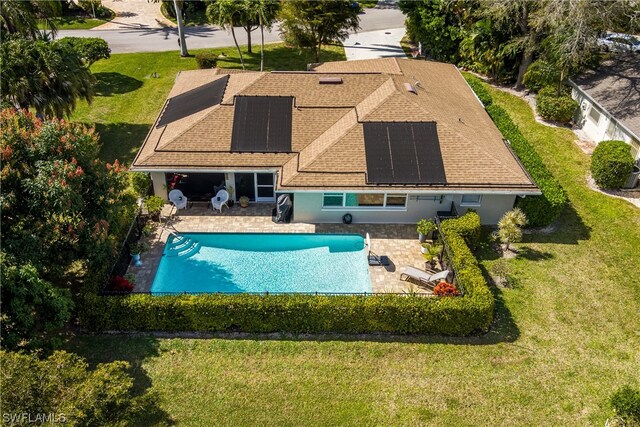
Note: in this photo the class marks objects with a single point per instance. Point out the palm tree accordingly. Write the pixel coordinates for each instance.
(178, 5)
(22, 17)
(222, 13)
(263, 11)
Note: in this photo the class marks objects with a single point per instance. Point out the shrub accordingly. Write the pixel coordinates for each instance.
(478, 87)
(141, 182)
(540, 74)
(540, 210)
(154, 204)
(467, 226)
(63, 386)
(206, 60)
(626, 404)
(553, 106)
(444, 289)
(611, 164)
(426, 227)
(509, 227)
(119, 284)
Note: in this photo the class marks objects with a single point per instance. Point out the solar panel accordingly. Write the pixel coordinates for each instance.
(403, 153)
(192, 101)
(262, 124)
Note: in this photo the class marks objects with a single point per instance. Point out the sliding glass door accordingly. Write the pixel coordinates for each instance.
(258, 187)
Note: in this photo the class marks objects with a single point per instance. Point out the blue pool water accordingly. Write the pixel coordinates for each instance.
(258, 262)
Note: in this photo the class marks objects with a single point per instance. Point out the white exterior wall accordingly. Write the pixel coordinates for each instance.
(601, 131)
(159, 185)
(307, 207)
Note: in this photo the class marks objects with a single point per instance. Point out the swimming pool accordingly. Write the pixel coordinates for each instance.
(263, 262)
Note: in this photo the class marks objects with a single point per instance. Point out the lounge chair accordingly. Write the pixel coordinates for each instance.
(219, 200)
(373, 258)
(178, 199)
(424, 277)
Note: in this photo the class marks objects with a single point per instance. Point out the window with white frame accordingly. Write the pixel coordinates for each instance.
(594, 115)
(364, 200)
(471, 200)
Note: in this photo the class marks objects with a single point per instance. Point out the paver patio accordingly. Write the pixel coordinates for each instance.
(396, 241)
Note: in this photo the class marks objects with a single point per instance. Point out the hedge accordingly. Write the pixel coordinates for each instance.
(553, 106)
(295, 313)
(478, 87)
(467, 226)
(611, 164)
(540, 210)
(301, 313)
(206, 60)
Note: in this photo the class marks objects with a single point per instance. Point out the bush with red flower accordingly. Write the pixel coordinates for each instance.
(119, 284)
(444, 289)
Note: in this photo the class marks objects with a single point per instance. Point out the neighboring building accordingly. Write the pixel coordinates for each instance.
(609, 99)
(386, 140)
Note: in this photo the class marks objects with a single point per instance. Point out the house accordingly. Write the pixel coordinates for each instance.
(609, 99)
(387, 140)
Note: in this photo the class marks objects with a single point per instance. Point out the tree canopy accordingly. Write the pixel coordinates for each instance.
(90, 49)
(22, 17)
(312, 23)
(47, 76)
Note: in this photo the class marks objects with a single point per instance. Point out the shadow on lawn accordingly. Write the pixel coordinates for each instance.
(120, 140)
(110, 83)
(568, 229)
(105, 349)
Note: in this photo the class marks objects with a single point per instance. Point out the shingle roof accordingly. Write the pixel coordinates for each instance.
(615, 85)
(327, 126)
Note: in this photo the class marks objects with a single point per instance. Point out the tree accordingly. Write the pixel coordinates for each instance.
(509, 227)
(178, 5)
(32, 308)
(312, 23)
(90, 49)
(58, 201)
(48, 76)
(265, 12)
(63, 387)
(22, 17)
(224, 14)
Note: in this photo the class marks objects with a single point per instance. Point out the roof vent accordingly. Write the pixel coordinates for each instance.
(410, 88)
(330, 80)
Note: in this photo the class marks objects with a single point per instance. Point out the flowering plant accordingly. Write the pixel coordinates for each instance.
(444, 289)
(120, 284)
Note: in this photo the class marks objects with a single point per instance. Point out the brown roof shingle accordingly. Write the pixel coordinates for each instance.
(327, 126)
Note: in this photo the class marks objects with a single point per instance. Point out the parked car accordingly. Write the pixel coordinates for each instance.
(616, 42)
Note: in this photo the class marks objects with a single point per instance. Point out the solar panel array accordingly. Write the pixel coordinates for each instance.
(403, 153)
(262, 124)
(193, 101)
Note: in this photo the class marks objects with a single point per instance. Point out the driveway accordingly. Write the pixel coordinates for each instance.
(134, 14)
(374, 44)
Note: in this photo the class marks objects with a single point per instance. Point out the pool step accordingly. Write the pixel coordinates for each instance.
(183, 247)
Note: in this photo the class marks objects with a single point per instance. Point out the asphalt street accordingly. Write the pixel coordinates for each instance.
(145, 39)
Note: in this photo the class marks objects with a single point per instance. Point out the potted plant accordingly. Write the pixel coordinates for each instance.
(244, 202)
(148, 229)
(431, 253)
(154, 205)
(135, 249)
(425, 229)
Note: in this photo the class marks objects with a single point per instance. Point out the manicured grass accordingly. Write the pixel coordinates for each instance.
(76, 23)
(130, 95)
(566, 336)
(368, 3)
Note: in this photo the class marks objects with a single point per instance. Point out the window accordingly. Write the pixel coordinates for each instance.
(594, 115)
(471, 200)
(364, 200)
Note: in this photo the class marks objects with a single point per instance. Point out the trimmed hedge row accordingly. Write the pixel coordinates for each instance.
(540, 210)
(289, 313)
(478, 87)
(467, 226)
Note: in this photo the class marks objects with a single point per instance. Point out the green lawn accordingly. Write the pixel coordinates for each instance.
(130, 95)
(566, 336)
(76, 23)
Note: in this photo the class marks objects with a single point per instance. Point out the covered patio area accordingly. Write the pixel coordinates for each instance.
(398, 242)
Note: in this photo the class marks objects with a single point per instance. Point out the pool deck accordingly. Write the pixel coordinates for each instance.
(396, 241)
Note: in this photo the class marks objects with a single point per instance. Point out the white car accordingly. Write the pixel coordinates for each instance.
(619, 43)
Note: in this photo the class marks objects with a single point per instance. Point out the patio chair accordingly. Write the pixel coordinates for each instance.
(178, 199)
(372, 257)
(219, 200)
(424, 277)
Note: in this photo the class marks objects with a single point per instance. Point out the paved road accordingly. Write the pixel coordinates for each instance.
(136, 39)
